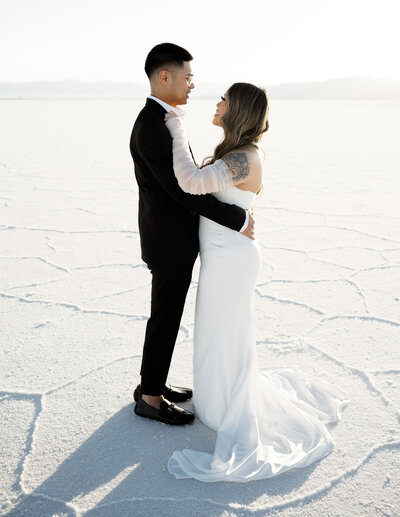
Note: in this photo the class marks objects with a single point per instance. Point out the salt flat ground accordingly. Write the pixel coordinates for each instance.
(74, 300)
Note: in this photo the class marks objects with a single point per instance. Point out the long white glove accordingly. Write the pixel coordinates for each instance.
(210, 178)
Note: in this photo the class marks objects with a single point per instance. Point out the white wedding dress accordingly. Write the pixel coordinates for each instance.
(268, 421)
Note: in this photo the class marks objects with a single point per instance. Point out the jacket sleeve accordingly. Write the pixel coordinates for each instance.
(155, 144)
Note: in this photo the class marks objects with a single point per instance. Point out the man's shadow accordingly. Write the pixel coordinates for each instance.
(137, 451)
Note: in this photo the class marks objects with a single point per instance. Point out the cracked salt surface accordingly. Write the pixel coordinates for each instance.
(74, 300)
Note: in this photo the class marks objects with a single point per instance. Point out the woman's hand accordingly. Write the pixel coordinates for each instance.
(169, 115)
(173, 123)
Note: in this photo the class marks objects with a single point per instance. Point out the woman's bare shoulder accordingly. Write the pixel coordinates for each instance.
(244, 164)
(250, 154)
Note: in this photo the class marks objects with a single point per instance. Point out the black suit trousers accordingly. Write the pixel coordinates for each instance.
(170, 284)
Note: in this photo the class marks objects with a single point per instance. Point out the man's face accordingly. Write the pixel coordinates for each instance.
(181, 84)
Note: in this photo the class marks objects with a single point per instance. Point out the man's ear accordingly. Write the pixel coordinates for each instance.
(163, 76)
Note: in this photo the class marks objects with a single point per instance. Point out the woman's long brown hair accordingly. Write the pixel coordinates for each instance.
(245, 120)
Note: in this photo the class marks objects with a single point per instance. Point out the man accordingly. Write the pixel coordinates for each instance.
(168, 227)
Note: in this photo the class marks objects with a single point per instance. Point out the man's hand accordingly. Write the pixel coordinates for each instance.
(249, 231)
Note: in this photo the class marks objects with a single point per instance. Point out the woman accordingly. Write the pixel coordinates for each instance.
(269, 422)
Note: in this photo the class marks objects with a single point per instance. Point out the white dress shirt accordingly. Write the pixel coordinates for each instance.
(181, 114)
(167, 107)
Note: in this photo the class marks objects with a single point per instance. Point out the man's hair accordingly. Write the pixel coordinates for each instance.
(163, 55)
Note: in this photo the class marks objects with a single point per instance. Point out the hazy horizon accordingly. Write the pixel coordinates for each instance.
(144, 81)
(350, 88)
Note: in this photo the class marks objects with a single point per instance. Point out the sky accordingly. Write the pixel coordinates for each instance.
(262, 41)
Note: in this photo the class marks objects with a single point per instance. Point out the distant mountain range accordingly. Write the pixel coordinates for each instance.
(357, 88)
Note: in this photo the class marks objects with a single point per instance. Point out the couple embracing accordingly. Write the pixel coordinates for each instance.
(268, 421)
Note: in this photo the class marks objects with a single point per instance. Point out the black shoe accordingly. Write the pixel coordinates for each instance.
(168, 413)
(171, 393)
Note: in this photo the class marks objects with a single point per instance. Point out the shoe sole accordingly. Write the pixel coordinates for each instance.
(163, 421)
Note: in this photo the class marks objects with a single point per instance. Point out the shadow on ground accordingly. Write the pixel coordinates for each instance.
(121, 470)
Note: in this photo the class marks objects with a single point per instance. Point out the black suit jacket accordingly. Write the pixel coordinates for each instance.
(169, 217)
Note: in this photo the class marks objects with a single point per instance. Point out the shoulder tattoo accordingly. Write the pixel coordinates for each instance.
(238, 165)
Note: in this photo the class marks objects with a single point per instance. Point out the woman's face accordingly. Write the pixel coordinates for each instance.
(222, 108)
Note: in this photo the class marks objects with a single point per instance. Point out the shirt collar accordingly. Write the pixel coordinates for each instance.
(167, 107)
